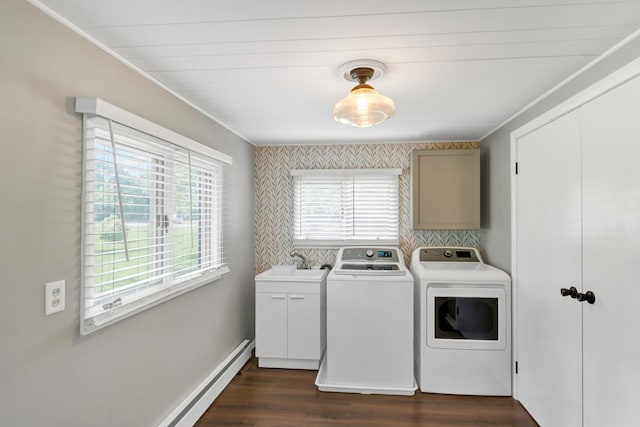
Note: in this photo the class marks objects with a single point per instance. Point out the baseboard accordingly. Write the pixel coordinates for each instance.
(270, 362)
(197, 402)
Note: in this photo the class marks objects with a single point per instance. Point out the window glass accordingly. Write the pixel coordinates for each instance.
(152, 221)
(341, 207)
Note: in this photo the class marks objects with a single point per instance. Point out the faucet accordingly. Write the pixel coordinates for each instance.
(304, 265)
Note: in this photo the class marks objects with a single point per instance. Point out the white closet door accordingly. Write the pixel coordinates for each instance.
(611, 206)
(548, 212)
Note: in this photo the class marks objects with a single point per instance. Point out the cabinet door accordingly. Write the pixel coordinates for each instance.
(611, 212)
(548, 221)
(271, 325)
(304, 326)
(446, 189)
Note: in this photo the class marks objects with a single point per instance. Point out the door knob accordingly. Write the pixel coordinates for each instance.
(588, 296)
(571, 292)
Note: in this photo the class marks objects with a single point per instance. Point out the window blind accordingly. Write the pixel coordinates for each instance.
(152, 221)
(350, 206)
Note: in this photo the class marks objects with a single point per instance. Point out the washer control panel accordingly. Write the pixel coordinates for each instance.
(370, 254)
(449, 255)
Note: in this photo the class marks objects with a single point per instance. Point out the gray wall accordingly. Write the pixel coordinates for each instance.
(136, 371)
(495, 234)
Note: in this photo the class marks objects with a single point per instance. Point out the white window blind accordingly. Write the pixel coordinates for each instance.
(337, 207)
(152, 220)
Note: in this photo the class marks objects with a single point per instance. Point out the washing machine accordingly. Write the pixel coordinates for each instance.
(369, 324)
(462, 323)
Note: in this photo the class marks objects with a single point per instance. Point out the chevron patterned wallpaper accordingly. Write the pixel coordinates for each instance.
(274, 196)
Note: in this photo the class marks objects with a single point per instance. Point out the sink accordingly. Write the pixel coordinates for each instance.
(291, 274)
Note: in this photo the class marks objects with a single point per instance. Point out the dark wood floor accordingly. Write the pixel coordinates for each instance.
(282, 397)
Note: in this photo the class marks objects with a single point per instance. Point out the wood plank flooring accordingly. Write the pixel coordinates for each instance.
(282, 397)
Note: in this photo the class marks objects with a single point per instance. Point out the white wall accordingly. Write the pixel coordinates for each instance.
(136, 371)
(495, 233)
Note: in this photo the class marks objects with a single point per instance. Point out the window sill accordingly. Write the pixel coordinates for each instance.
(97, 318)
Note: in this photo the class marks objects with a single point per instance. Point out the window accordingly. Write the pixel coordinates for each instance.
(333, 208)
(152, 214)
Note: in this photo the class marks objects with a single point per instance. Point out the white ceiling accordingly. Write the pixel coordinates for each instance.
(267, 70)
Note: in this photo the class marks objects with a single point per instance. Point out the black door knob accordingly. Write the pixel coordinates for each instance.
(588, 296)
(571, 292)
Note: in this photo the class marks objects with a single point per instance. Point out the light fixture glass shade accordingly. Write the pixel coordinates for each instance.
(363, 107)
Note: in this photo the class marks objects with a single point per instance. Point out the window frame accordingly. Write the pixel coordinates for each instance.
(344, 174)
(92, 318)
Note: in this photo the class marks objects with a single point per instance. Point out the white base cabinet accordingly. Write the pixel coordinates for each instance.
(290, 319)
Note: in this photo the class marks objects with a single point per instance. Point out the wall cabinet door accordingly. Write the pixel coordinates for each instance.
(271, 325)
(304, 326)
(548, 206)
(445, 189)
(611, 256)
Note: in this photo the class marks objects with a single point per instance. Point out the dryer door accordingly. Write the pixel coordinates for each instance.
(466, 317)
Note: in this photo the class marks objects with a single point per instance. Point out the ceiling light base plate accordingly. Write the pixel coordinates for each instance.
(344, 71)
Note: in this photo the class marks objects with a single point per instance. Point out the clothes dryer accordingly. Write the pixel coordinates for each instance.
(462, 323)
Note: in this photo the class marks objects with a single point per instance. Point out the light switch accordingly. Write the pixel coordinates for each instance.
(53, 297)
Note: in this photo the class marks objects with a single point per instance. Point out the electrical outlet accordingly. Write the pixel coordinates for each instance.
(53, 297)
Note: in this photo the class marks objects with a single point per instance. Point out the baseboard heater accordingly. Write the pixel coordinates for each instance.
(197, 402)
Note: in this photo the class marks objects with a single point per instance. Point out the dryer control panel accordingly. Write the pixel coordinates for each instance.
(370, 254)
(449, 255)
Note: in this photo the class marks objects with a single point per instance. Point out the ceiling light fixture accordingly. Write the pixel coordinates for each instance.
(363, 107)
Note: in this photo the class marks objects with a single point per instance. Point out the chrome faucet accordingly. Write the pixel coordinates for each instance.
(304, 265)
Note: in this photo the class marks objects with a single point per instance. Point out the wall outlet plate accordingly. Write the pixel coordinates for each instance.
(54, 297)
